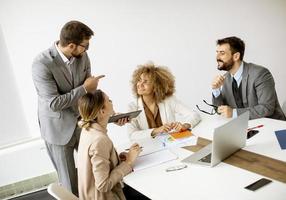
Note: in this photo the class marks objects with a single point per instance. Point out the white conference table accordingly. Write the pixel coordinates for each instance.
(223, 181)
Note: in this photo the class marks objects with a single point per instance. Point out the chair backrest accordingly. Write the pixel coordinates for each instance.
(60, 192)
(284, 107)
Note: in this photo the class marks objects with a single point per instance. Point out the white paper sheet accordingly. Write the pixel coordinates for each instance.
(154, 159)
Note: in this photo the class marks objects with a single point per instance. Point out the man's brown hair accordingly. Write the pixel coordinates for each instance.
(74, 32)
(235, 43)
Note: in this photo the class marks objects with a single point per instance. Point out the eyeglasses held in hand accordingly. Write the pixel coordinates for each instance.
(213, 111)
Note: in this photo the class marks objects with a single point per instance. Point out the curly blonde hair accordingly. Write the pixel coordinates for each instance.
(89, 106)
(162, 80)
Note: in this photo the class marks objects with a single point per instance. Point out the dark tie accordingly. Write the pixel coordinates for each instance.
(237, 94)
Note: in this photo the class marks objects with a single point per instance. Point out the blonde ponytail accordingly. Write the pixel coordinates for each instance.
(89, 106)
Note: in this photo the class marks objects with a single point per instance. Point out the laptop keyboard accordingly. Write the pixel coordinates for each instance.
(207, 158)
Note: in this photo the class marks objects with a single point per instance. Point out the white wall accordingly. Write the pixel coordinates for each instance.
(13, 125)
(180, 34)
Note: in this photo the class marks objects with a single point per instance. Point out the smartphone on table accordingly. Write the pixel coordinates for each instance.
(258, 184)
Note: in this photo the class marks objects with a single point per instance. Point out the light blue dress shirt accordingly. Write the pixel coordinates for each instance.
(238, 77)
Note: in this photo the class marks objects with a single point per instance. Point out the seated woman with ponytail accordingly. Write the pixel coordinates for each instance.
(100, 171)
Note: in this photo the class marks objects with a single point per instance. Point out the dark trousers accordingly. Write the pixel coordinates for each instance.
(132, 194)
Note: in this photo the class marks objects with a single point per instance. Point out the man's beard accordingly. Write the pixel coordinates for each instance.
(77, 55)
(226, 66)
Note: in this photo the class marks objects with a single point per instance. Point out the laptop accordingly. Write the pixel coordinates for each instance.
(227, 139)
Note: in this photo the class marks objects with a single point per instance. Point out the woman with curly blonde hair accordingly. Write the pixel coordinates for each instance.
(154, 88)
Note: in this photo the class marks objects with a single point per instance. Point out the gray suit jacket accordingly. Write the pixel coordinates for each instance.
(258, 93)
(58, 94)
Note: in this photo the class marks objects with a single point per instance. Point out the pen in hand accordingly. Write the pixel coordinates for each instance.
(129, 148)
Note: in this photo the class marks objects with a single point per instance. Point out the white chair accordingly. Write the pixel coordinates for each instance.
(284, 107)
(60, 192)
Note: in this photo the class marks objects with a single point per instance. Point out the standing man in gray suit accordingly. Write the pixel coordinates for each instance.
(245, 86)
(61, 75)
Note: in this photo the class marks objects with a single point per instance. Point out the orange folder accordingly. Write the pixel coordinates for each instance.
(181, 135)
